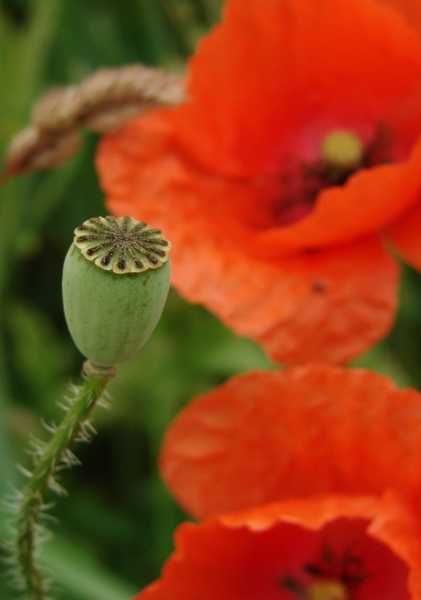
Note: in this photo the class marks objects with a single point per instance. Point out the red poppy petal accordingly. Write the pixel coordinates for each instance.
(267, 436)
(311, 513)
(365, 204)
(316, 68)
(329, 306)
(410, 10)
(405, 236)
(248, 556)
(396, 526)
(144, 171)
(370, 200)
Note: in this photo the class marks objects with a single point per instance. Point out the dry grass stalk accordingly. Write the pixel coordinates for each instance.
(103, 103)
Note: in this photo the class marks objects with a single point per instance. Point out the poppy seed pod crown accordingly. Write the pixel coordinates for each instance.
(116, 278)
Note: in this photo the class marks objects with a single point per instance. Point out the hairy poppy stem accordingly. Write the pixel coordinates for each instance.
(53, 453)
(116, 278)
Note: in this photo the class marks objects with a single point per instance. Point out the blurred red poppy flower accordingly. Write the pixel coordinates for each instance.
(326, 548)
(268, 436)
(298, 147)
(324, 465)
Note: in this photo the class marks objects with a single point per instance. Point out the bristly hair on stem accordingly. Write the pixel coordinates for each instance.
(28, 505)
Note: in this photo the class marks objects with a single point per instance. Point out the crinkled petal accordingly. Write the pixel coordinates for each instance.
(266, 436)
(328, 306)
(248, 556)
(405, 235)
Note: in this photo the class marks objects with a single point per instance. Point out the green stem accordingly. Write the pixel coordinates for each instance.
(96, 378)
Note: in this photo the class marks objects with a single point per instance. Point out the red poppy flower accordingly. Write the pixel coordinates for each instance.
(325, 465)
(269, 436)
(298, 146)
(326, 548)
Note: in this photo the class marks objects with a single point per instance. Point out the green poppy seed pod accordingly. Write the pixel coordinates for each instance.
(116, 277)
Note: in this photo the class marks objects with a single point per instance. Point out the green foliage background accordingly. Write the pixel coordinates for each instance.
(114, 530)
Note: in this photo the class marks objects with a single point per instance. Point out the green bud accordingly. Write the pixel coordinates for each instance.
(116, 277)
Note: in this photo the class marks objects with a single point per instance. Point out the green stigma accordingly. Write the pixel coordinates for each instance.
(342, 150)
(327, 590)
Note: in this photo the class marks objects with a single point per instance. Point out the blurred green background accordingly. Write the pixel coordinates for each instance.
(114, 530)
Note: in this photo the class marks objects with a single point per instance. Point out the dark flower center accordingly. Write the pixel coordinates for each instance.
(342, 153)
(329, 578)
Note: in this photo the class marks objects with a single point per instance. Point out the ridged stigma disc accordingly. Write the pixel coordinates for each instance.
(116, 277)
